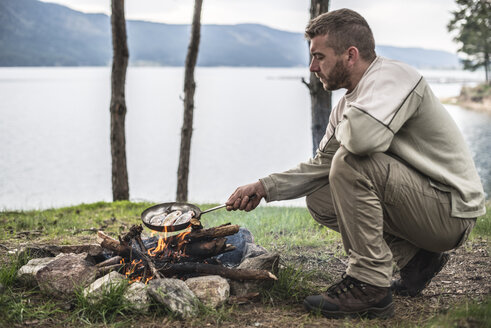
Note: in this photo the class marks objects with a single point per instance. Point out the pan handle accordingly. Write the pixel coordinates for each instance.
(222, 206)
(213, 208)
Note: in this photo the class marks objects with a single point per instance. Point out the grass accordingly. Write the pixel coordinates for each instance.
(8, 270)
(292, 285)
(288, 230)
(469, 314)
(106, 308)
(26, 307)
(483, 225)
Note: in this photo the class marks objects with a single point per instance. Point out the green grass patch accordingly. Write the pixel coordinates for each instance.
(483, 224)
(293, 284)
(27, 307)
(270, 226)
(469, 314)
(9, 268)
(106, 308)
(68, 221)
(276, 227)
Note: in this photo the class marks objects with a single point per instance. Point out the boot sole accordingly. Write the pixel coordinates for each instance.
(415, 292)
(370, 313)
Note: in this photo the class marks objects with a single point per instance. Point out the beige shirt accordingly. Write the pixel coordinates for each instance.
(392, 109)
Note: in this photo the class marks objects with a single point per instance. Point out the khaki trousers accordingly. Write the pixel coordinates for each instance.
(384, 211)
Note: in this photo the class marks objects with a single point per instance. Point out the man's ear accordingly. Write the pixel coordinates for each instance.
(352, 56)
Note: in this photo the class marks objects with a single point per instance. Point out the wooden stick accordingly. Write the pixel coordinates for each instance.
(235, 274)
(106, 269)
(111, 261)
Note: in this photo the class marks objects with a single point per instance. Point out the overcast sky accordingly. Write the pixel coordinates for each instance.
(405, 23)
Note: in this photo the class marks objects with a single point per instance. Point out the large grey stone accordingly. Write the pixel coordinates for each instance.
(137, 295)
(96, 289)
(212, 291)
(27, 273)
(66, 273)
(175, 295)
(253, 250)
(268, 261)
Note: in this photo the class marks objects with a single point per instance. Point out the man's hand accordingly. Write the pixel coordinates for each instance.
(246, 197)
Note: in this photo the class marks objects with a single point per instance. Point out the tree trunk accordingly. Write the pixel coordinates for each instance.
(320, 99)
(189, 88)
(118, 103)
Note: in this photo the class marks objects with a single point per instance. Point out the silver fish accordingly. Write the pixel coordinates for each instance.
(157, 219)
(171, 217)
(186, 217)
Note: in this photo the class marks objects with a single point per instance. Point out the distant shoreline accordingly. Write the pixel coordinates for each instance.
(484, 106)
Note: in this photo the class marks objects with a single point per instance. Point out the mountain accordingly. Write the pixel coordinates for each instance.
(34, 33)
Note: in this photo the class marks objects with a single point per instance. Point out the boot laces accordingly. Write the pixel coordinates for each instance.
(345, 286)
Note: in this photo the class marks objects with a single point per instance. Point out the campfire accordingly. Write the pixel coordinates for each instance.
(214, 265)
(184, 255)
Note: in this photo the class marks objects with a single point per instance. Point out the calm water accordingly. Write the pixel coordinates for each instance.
(249, 122)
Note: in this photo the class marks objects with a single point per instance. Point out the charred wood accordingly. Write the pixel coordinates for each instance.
(203, 234)
(204, 268)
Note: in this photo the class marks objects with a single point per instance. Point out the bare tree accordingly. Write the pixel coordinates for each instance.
(118, 103)
(320, 98)
(189, 89)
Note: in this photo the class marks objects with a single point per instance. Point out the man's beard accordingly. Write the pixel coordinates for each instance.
(338, 78)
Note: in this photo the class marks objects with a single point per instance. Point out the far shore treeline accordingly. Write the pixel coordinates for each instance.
(35, 33)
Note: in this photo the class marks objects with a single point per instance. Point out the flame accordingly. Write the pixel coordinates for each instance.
(163, 249)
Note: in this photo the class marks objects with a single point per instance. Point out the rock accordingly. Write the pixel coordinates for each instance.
(175, 295)
(137, 295)
(253, 250)
(93, 250)
(35, 252)
(239, 240)
(96, 289)
(268, 261)
(27, 273)
(212, 291)
(66, 273)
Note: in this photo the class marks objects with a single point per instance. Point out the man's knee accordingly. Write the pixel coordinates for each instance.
(341, 165)
(320, 207)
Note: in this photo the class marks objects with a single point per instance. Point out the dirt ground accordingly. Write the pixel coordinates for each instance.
(466, 277)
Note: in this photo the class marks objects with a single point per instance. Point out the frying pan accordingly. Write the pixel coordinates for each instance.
(150, 212)
(160, 209)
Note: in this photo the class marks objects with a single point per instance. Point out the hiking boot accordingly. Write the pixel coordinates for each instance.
(419, 271)
(352, 298)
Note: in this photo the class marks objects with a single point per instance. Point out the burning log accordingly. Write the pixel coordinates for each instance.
(204, 234)
(211, 269)
(126, 251)
(205, 249)
(114, 245)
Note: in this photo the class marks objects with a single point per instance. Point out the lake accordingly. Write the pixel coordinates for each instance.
(248, 122)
